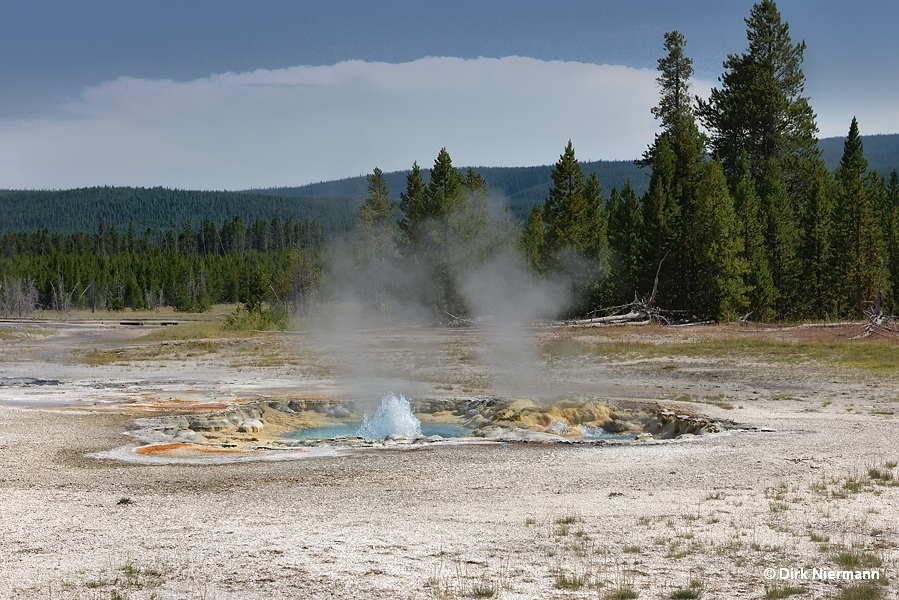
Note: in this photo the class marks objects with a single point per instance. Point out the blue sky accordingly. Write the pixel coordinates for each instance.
(221, 94)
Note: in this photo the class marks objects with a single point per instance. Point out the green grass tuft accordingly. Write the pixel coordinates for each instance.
(777, 592)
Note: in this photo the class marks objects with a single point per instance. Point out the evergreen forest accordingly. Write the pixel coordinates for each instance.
(736, 209)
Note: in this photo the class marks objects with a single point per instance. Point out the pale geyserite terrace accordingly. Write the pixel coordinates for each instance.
(812, 486)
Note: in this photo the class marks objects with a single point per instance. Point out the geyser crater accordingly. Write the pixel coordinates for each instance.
(305, 424)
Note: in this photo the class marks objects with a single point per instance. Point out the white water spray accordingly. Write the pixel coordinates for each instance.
(393, 417)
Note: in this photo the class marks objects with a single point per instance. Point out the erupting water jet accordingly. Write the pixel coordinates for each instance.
(394, 416)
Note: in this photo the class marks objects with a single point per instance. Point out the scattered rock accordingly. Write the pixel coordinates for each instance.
(189, 437)
(210, 424)
(250, 426)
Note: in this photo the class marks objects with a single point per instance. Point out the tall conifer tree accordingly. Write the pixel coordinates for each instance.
(857, 245)
(759, 114)
(413, 208)
(565, 211)
(760, 291)
(376, 241)
(714, 249)
(575, 242)
(627, 243)
(891, 235)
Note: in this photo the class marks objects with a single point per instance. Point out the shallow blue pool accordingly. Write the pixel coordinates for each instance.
(446, 430)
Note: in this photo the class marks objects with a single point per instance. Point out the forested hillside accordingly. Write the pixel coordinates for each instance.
(332, 204)
(187, 267)
(881, 152)
(519, 188)
(83, 209)
(523, 187)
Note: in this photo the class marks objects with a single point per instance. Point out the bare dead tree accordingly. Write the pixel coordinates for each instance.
(877, 322)
(639, 312)
(18, 297)
(61, 300)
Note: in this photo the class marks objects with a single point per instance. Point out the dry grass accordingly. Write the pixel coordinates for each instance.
(827, 346)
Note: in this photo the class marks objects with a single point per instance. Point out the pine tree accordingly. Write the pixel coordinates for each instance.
(661, 218)
(759, 112)
(412, 207)
(675, 102)
(431, 223)
(783, 242)
(575, 242)
(376, 245)
(677, 156)
(532, 240)
(816, 224)
(471, 223)
(857, 245)
(443, 197)
(596, 234)
(760, 115)
(565, 211)
(627, 243)
(714, 249)
(760, 292)
(891, 235)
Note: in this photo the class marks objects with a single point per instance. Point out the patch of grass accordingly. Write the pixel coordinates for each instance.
(855, 559)
(693, 591)
(570, 581)
(677, 550)
(140, 577)
(192, 330)
(854, 483)
(483, 589)
(622, 593)
(98, 358)
(777, 493)
(632, 549)
(872, 356)
(96, 583)
(776, 592)
(818, 538)
(562, 531)
(566, 520)
(124, 500)
(880, 474)
(861, 591)
(487, 584)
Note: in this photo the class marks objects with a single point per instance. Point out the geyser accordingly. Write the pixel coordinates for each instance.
(394, 416)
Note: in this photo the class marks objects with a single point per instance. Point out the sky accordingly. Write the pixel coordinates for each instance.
(227, 94)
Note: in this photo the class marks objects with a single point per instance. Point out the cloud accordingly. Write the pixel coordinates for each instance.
(302, 124)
